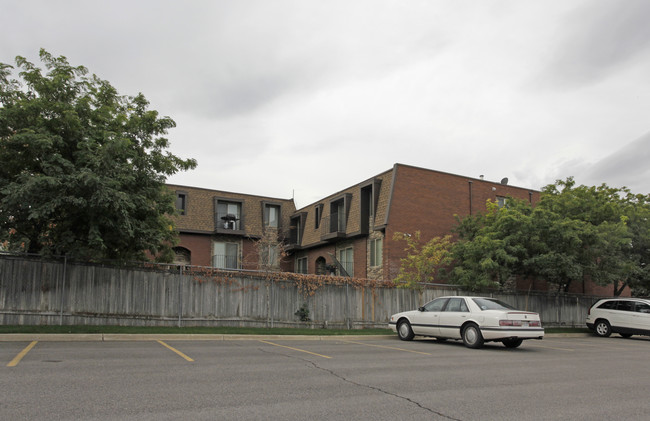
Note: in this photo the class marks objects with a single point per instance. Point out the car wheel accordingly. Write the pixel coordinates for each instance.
(404, 330)
(626, 335)
(603, 328)
(472, 337)
(512, 343)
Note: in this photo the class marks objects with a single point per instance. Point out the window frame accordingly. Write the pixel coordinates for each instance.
(376, 258)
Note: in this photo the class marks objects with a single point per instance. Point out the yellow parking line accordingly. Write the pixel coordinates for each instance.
(22, 353)
(176, 351)
(295, 349)
(388, 347)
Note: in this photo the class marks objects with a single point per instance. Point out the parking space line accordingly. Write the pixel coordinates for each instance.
(21, 354)
(388, 347)
(295, 349)
(176, 351)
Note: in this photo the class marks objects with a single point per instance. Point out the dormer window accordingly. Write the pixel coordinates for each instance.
(228, 215)
(181, 202)
(271, 215)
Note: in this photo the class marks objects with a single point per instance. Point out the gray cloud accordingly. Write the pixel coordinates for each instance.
(628, 166)
(598, 39)
(263, 91)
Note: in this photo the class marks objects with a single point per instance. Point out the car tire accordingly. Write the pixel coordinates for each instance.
(512, 343)
(472, 337)
(603, 328)
(404, 330)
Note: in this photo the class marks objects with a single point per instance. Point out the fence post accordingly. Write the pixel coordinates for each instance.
(347, 305)
(180, 294)
(65, 266)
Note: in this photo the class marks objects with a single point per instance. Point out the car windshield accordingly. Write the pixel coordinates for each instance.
(492, 304)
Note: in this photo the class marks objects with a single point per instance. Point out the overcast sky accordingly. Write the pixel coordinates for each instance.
(305, 98)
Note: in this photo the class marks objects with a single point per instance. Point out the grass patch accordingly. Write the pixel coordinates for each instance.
(190, 330)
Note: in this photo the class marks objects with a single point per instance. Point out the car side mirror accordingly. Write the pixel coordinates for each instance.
(421, 309)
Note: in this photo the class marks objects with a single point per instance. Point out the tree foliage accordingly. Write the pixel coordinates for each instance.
(83, 168)
(574, 233)
(423, 262)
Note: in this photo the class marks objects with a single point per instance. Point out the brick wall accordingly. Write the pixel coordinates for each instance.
(200, 247)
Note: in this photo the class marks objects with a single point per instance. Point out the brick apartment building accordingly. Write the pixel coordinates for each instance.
(220, 229)
(354, 226)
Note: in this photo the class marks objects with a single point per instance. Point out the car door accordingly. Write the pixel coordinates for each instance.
(452, 318)
(641, 317)
(623, 317)
(426, 320)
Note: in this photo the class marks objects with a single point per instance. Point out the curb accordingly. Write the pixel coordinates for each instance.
(130, 337)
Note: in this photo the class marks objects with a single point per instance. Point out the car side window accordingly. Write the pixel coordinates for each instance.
(625, 306)
(456, 304)
(642, 307)
(435, 305)
(608, 305)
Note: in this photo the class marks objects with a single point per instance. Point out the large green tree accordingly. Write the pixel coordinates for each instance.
(575, 233)
(83, 168)
(619, 252)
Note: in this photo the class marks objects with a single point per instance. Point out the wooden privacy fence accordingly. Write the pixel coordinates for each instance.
(36, 291)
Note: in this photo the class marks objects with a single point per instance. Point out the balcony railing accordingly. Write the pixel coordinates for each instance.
(332, 227)
(227, 221)
(225, 262)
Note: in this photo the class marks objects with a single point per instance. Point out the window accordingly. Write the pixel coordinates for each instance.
(625, 306)
(376, 248)
(608, 305)
(641, 307)
(340, 212)
(435, 305)
(271, 216)
(229, 215)
(457, 305)
(269, 256)
(181, 202)
(225, 255)
(318, 213)
(492, 304)
(346, 258)
(501, 201)
(301, 265)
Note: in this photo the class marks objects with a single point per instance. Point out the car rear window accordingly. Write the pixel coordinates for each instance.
(492, 304)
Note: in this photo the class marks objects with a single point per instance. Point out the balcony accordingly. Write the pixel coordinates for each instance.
(332, 228)
(228, 223)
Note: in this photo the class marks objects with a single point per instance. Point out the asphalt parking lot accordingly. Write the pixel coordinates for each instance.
(371, 378)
